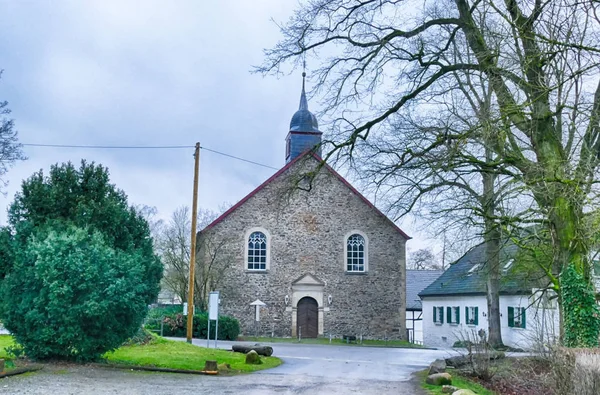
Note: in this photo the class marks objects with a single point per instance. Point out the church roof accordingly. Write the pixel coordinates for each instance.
(304, 120)
(286, 167)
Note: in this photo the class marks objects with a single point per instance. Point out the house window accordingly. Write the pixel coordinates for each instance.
(516, 317)
(257, 251)
(438, 315)
(356, 252)
(474, 269)
(453, 315)
(472, 315)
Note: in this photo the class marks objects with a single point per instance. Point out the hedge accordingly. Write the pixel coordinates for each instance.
(175, 325)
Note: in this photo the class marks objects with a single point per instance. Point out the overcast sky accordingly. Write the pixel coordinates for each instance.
(150, 73)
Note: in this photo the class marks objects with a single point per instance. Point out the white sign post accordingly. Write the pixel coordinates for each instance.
(213, 314)
(257, 304)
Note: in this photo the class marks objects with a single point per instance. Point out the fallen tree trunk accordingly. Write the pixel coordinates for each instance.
(266, 351)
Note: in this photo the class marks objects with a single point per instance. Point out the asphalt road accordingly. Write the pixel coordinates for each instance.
(342, 362)
(307, 369)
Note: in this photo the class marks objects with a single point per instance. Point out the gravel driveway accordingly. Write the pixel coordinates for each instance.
(90, 380)
(307, 369)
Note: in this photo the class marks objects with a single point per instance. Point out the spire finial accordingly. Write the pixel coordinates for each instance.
(303, 101)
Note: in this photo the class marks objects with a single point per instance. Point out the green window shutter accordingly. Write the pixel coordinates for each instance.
(441, 314)
(449, 314)
(466, 315)
(511, 317)
(523, 318)
(457, 315)
(476, 316)
(434, 314)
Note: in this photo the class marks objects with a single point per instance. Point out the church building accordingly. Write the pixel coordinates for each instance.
(321, 258)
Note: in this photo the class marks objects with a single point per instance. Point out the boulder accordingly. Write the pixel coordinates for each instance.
(224, 367)
(464, 392)
(449, 389)
(458, 361)
(439, 379)
(438, 366)
(252, 358)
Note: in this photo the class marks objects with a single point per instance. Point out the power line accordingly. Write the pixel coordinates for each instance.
(110, 146)
(238, 158)
(146, 147)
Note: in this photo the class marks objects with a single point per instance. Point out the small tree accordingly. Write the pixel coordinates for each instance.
(75, 252)
(10, 149)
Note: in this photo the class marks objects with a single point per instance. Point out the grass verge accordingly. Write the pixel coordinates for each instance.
(457, 381)
(337, 342)
(170, 354)
(5, 341)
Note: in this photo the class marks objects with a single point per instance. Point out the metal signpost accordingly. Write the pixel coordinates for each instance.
(213, 314)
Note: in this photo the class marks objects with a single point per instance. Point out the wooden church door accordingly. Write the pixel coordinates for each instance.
(308, 318)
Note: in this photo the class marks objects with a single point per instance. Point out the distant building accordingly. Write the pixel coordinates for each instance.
(321, 257)
(417, 281)
(455, 304)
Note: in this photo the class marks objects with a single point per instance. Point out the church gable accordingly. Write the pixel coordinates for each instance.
(291, 175)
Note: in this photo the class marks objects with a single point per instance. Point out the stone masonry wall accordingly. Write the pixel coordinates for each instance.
(307, 235)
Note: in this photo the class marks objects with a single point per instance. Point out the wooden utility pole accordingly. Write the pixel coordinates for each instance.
(190, 306)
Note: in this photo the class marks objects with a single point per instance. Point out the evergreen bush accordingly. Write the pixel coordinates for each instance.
(175, 325)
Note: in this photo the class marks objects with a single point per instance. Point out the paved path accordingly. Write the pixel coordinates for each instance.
(342, 362)
(307, 369)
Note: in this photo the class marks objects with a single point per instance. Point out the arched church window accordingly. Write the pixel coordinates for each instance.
(257, 251)
(356, 250)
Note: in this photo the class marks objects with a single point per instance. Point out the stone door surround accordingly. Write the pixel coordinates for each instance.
(311, 286)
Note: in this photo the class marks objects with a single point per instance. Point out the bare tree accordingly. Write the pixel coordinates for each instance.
(10, 149)
(423, 259)
(383, 60)
(173, 244)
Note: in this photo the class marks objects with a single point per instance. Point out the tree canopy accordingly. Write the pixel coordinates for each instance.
(434, 97)
(80, 268)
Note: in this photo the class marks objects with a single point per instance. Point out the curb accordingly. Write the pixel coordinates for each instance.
(157, 369)
(16, 371)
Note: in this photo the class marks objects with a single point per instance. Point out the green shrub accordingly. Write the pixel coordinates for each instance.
(78, 264)
(175, 325)
(70, 296)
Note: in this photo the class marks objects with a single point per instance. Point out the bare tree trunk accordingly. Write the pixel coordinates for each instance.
(492, 257)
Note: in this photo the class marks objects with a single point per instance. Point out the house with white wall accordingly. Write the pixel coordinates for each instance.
(455, 305)
(417, 281)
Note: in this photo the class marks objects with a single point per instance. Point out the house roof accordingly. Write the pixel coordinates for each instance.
(286, 167)
(416, 281)
(467, 275)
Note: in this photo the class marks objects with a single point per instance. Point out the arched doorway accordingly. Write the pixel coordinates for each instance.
(307, 322)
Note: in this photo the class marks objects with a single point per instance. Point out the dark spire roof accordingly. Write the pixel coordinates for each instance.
(303, 120)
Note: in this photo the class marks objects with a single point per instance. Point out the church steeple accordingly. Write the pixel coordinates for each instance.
(304, 129)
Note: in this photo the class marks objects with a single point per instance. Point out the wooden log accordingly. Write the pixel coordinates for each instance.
(266, 351)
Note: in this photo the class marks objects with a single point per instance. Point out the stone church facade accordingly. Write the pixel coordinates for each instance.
(320, 256)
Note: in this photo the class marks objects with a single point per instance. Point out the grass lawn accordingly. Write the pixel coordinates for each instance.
(457, 381)
(5, 341)
(165, 353)
(339, 342)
